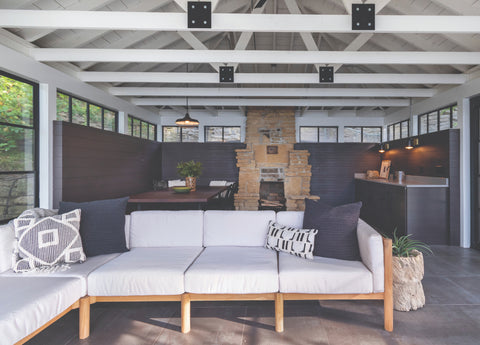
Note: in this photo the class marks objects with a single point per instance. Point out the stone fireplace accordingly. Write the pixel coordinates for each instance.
(270, 157)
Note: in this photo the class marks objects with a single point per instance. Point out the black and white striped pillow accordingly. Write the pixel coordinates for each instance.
(298, 242)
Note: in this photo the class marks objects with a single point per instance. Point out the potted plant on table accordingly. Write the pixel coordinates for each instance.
(408, 270)
(190, 171)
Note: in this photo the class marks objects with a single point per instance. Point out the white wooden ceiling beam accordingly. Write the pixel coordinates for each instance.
(271, 78)
(252, 22)
(297, 102)
(257, 56)
(269, 92)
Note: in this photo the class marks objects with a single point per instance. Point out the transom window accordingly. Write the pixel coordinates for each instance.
(141, 129)
(82, 112)
(438, 120)
(222, 134)
(398, 130)
(177, 134)
(18, 146)
(362, 134)
(318, 134)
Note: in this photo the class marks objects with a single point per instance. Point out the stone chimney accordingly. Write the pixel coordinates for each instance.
(270, 157)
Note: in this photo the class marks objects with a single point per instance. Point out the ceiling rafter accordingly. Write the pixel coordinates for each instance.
(257, 56)
(271, 78)
(271, 92)
(111, 20)
(300, 102)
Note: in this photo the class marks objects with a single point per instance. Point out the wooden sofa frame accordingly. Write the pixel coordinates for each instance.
(187, 298)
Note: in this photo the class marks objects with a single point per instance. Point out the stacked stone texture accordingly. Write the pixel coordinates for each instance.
(266, 127)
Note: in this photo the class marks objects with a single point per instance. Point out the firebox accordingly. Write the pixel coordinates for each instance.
(272, 196)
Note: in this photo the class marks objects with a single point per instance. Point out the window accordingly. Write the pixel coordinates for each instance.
(18, 146)
(438, 120)
(79, 111)
(362, 134)
(177, 134)
(318, 134)
(222, 134)
(141, 129)
(398, 130)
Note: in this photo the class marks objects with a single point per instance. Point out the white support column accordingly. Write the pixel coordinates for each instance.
(465, 213)
(48, 106)
(122, 122)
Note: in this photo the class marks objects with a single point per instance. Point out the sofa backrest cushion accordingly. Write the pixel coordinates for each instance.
(236, 228)
(290, 218)
(127, 231)
(166, 228)
(7, 240)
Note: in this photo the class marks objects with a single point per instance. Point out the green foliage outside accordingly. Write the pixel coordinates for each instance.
(16, 107)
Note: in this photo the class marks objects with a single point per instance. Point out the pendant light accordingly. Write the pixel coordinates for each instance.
(187, 121)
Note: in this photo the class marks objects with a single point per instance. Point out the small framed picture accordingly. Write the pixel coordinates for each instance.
(385, 169)
(272, 150)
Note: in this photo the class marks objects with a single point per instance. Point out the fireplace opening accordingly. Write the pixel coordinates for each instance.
(272, 196)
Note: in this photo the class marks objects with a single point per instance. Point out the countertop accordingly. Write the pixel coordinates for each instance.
(410, 181)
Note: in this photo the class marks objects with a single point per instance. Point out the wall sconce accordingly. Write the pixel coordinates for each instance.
(383, 148)
(412, 142)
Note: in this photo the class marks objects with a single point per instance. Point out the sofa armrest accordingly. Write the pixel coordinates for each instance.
(371, 252)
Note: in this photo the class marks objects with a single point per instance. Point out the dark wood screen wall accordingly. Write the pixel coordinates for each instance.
(333, 168)
(218, 159)
(438, 154)
(92, 164)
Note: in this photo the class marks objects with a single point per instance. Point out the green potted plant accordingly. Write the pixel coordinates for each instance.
(190, 171)
(408, 270)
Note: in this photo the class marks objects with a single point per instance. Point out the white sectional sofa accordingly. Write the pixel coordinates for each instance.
(189, 256)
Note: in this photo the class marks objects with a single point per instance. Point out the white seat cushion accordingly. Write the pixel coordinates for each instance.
(7, 240)
(233, 270)
(144, 271)
(166, 229)
(27, 303)
(236, 228)
(323, 275)
(77, 270)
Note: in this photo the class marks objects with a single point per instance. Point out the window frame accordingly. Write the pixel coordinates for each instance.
(70, 108)
(130, 119)
(419, 117)
(318, 134)
(181, 134)
(36, 133)
(205, 128)
(393, 130)
(361, 135)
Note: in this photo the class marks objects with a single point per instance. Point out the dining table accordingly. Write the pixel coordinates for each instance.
(169, 199)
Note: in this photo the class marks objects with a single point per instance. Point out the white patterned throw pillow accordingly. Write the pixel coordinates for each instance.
(44, 244)
(298, 242)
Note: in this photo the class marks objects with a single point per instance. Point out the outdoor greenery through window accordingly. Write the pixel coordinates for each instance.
(141, 129)
(438, 120)
(318, 134)
(18, 145)
(362, 134)
(398, 130)
(72, 109)
(222, 134)
(177, 134)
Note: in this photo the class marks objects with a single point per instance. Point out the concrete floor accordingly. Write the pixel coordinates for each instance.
(451, 316)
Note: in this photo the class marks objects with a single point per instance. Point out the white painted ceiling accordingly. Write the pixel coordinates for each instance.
(270, 75)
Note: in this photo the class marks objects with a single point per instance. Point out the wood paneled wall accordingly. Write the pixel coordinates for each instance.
(92, 164)
(438, 154)
(334, 166)
(219, 160)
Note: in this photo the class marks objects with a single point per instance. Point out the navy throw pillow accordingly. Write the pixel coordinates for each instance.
(102, 225)
(337, 229)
